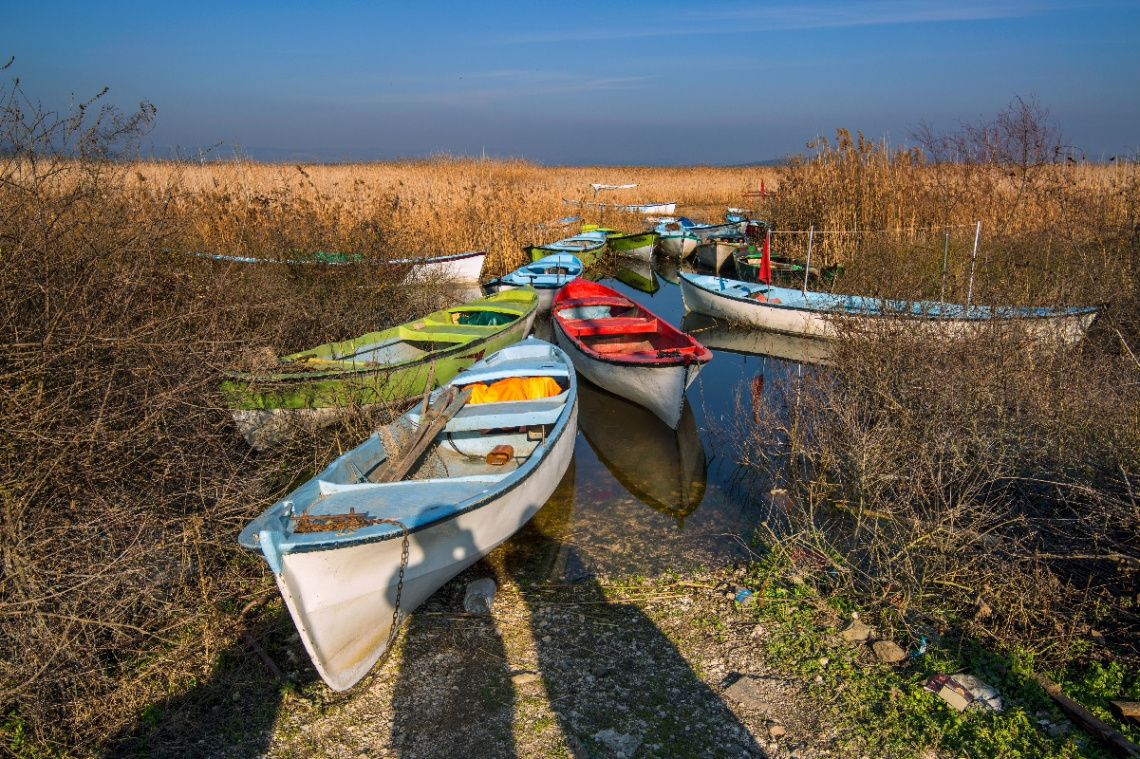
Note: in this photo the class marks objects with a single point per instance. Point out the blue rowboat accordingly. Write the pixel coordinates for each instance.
(354, 553)
(587, 246)
(546, 275)
(815, 314)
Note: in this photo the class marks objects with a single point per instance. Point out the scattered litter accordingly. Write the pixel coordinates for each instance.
(480, 596)
(745, 597)
(920, 650)
(962, 690)
(951, 691)
(982, 692)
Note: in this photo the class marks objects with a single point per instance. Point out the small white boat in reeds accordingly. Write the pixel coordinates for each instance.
(459, 267)
(646, 209)
(546, 275)
(675, 240)
(621, 346)
(358, 547)
(816, 314)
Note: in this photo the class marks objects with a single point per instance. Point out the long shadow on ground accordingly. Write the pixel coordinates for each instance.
(231, 713)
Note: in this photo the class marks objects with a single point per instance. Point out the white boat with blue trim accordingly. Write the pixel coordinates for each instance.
(359, 546)
(546, 275)
(817, 314)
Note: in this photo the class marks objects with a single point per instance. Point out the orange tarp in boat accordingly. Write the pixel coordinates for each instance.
(514, 389)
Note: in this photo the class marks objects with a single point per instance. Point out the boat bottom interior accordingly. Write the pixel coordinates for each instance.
(470, 444)
(626, 344)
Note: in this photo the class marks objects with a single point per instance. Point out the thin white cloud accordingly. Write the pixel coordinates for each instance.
(727, 20)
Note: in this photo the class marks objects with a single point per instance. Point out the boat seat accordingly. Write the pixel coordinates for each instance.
(594, 300)
(617, 325)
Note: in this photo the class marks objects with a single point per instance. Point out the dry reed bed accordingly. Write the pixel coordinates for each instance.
(123, 482)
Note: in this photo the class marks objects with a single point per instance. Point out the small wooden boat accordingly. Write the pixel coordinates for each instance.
(748, 260)
(716, 250)
(587, 246)
(817, 314)
(358, 547)
(675, 240)
(546, 275)
(720, 335)
(621, 346)
(705, 231)
(316, 386)
(646, 209)
(638, 245)
(460, 267)
(663, 468)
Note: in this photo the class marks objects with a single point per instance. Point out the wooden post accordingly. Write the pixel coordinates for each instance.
(945, 263)
(973, 261)
(807, 265)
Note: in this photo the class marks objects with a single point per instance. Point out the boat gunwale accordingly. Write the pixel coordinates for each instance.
(478, 338)
(385, 531)
(700, 353)
(1052, 312)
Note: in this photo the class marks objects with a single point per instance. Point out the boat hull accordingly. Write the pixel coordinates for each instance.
(722, 298)
(462, 267)
(715, 253)
(345, 625)
(634, 246)
(545, 294)
(267, 410)
(678, 246)
(661, 389)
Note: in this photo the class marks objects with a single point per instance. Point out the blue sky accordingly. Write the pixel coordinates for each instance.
(633, 82)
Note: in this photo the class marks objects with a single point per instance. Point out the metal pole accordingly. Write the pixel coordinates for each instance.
(807, 266)
(973, 261)
(945, 262)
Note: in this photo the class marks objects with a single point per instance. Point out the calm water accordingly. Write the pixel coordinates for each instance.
(640, 497)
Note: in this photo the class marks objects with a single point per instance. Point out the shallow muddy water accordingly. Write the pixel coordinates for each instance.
(640, 498)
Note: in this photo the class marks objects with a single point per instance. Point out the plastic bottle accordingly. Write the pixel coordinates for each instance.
(480, 596)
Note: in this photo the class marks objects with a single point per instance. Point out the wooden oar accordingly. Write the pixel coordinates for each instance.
(431, 424)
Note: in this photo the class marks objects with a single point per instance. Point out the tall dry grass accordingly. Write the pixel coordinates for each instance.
(986, 485)
(410, 208)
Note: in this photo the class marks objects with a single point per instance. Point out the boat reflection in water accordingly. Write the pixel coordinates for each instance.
(663, 468)
(637, 274)
(723, 336)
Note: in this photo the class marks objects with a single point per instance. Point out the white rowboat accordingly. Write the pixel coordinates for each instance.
(344, 582)
(815, 314)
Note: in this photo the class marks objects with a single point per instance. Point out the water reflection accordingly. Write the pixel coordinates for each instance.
(722, 336)
(637, 274)
(663, 468)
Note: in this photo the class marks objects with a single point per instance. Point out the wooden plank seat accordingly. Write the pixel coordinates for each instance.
(617, 325)
(595, 300)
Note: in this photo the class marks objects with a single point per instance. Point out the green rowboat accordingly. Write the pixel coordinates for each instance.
(637, 245)
(315, 386)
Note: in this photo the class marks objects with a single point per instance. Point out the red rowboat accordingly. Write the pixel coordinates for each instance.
(619, 345)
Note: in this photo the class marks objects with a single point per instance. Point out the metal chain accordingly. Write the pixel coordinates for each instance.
(400, 584)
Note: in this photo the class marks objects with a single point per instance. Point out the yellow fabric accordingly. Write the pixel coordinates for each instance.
(514, 389)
